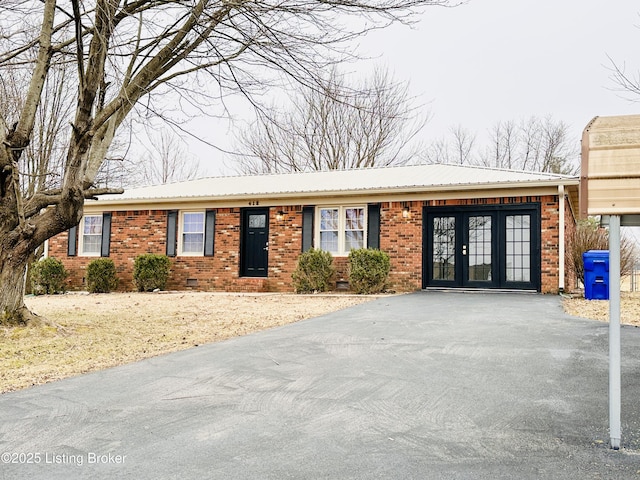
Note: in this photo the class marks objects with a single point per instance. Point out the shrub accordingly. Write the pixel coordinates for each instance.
(314, 271)
(101, 276)
(368, 270)
(151, 272)
(48, 276)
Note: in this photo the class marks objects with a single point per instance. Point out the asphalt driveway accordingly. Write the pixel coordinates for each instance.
(431, 385)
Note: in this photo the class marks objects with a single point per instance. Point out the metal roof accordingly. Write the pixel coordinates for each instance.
(344, 182)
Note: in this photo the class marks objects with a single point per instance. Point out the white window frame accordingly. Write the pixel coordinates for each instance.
(341, 252)
(81, 235)
(181, 233)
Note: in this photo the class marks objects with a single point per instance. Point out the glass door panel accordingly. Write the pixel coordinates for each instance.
(444, 248)
(518, 248)
(479, 249)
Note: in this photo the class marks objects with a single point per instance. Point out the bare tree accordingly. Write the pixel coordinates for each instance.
(533, 144)
(544, 145)
(162, 159)
(166, 161)
(463, 143)
(41, 163)
(502, 149)
(456, 148)
(337, 126)
(125, 51)
(627, 82)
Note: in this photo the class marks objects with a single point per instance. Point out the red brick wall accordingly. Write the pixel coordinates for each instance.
(144, 231)
(401, 238)
(549, 244)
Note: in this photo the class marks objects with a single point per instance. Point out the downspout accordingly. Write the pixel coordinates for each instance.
(561, 239)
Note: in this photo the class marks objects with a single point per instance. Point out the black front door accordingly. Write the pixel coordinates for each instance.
(254, 250)
(487, 247)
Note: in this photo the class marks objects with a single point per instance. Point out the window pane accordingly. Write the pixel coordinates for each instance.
(354, 228)
(92, 234)
(91, 243)
(193, 222)
(329, 224)
(193, 232)
(192, 243)
(354, 219)
(329, 241)
(329, 219)
(353, 239)
(257, 221)
(93, 225)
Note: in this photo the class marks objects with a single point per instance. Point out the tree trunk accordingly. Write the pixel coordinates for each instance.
(12, 308)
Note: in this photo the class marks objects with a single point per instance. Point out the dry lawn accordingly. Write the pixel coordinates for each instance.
(599, 309)
(101, 331)
(105, 330)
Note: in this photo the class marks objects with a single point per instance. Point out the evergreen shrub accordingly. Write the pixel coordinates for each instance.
(48, 276)
(313, 272)
(151, 272)
(101, 276)
(368, 270)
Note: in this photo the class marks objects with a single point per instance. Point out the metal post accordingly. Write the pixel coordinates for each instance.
(614, 332)
(561, 235)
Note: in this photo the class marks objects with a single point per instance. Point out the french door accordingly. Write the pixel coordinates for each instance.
(482, 247)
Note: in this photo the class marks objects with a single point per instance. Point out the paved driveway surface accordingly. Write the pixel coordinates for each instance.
(431, 385)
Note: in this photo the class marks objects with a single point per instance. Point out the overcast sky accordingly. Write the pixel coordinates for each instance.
(491, 60)
(496, 60)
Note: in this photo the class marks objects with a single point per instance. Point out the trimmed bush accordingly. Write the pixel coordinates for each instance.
(101, 276)
(314, 271)
(151, 272)
(48, 276)
(368, 270)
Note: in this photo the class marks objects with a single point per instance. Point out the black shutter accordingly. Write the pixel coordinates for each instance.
(307, 227)
(373, 225)
(172, 232)
(72, 244)
(209, 232)
(106, 235)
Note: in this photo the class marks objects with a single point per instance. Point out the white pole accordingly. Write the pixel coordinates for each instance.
(561, 238)
(614, 332)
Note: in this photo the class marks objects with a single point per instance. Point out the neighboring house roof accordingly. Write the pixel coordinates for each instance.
(369, 181)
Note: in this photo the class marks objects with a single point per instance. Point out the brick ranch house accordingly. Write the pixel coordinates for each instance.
(442, 225)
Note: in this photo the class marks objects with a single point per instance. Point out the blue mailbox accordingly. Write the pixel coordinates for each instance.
(596, 274)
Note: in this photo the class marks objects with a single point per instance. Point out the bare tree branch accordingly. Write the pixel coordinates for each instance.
(338, 126)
